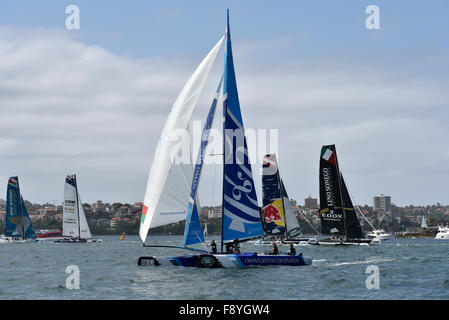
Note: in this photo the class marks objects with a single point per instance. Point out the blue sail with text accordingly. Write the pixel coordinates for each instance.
(193, 233)
(18, 223)
(241, 218)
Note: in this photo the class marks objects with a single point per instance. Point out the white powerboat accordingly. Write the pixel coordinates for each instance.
(443, 233)
(379, 235)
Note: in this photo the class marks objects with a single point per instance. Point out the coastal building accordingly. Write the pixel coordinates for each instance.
(214, 213)
(382, 203)
(310, 203)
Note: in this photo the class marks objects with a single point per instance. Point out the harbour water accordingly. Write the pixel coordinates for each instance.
(408, 269)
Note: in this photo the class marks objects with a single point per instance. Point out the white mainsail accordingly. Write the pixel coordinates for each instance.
(74, 222)
(424, 223)
(168, 185)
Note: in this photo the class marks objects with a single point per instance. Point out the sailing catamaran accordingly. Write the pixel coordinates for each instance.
(170, 197)
(337, 213)
(18, 222)
(278, 218)
(74, 225)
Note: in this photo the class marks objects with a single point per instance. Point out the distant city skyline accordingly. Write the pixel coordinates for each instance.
(93, 101)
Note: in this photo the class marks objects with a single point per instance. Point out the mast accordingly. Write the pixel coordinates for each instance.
(241, 217)
(21, 208)
(77, 207)
(225, 107)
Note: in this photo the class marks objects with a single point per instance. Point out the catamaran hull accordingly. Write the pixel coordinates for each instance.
(302, 241)
(77, 240)
(226, 260)
(13, 240)
(351, 242)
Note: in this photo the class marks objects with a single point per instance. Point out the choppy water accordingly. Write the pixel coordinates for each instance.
(409, 269)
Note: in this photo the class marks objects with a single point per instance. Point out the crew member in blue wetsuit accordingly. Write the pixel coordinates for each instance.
(274, 251)
(236, 248)
(213, 246)
(292, 251)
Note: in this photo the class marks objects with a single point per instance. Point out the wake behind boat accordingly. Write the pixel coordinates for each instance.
(18, 223)
(74, 225)
(170, 197)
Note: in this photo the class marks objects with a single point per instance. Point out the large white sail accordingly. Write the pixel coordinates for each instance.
(74, 222)
(70, 226)
(168, 185)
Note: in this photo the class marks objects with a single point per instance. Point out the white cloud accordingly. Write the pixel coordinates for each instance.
(67, 107)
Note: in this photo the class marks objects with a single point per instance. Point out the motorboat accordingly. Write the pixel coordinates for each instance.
(443, 233)
(379, 235)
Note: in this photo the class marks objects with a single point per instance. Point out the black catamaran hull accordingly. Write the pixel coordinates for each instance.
(348, 242)
(226, 260)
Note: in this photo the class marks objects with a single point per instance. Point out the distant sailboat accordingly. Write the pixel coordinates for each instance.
(424, 223)
(18, 222)
(74, 224)
(205, 232)
(240, 219)
(337, 213)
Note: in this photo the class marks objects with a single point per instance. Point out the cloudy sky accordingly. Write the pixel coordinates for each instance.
(93, 101)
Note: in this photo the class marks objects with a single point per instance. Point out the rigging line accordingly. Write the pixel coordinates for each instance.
(204, 245)
(307, 220)
(357, 206)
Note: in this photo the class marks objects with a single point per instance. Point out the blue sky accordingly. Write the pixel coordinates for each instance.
(142, 28)
(308, 68)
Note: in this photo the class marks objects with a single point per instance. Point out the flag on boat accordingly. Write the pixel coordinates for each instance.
(328, 155)
(12, 181)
